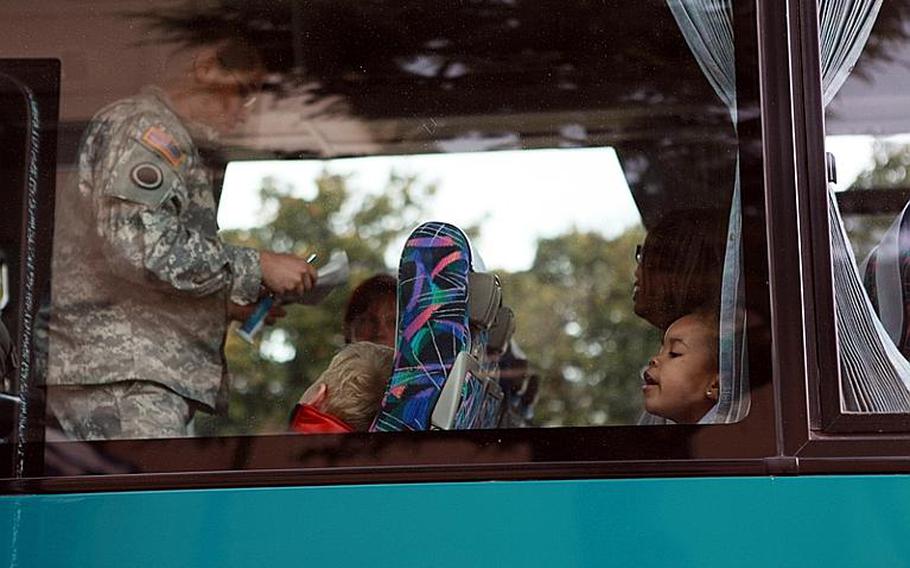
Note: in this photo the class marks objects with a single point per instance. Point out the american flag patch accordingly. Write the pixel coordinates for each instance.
(160, 142)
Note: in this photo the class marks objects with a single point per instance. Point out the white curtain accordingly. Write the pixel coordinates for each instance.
(707, 26)
(874, 375)
(844, 28)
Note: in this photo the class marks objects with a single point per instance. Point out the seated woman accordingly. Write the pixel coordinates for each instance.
(681, 382)
(371, 311)
(680, 266)
(346, 396)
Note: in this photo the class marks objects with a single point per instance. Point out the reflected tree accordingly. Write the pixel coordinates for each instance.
(889, 37)
(458, 57)
(890, 168)
(539, 73)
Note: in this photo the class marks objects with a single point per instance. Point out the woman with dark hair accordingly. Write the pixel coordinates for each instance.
(680, 266)
(371, 311)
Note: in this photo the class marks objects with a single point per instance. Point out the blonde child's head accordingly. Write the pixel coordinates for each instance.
(351, 388)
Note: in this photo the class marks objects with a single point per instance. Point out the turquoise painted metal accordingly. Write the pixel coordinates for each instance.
(766, 522)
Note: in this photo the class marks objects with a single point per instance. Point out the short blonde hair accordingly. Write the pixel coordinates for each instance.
(356, 380)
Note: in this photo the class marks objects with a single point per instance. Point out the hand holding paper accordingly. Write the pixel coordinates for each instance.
(334, 273)
(331, 275)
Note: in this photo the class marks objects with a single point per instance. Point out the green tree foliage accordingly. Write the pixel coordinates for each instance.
(890, 169)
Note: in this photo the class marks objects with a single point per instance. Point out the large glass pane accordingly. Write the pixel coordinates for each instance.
(868, 135)
(218, 158)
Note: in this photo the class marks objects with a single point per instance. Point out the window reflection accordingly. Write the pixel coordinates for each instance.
(869, 138)
(557, 160)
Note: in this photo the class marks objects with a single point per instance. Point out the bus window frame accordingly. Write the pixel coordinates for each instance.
(40, 81)
(793, 425)
(816, 432)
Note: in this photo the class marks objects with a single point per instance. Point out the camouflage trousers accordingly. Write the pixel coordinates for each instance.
(129, 409)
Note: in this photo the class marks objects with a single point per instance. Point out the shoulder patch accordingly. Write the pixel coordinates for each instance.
(147, 176)
(142, 176)
(159, 141)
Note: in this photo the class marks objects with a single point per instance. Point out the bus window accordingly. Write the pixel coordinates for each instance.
(225, 191)
(868, 136)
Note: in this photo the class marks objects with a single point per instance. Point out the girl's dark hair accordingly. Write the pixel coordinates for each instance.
(366, 294)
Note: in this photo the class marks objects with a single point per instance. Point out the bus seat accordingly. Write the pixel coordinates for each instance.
(520, 388)
(501, 331)
(433, 324)
(446, 310)
(472, 397)
(886, 277)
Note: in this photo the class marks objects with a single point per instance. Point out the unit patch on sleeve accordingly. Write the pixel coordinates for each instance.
(147, 176)
(159, 141)
(143, 177)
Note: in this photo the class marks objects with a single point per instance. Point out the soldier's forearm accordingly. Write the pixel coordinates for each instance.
(246, 273)
(190, 262)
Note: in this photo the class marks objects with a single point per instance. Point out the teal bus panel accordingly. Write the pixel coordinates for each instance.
(766, 522)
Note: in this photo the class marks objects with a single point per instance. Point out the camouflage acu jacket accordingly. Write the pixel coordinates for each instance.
(140, 277)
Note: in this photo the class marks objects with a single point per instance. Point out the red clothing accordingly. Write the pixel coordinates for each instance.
(307, 419)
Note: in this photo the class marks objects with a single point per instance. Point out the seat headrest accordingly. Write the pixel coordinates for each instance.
(501, 331)
(484, 298)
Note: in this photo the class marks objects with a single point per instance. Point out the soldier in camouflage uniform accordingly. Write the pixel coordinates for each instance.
(143, 287)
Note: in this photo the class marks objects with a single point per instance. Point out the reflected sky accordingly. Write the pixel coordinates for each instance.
(853, 155)
(519, 196)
